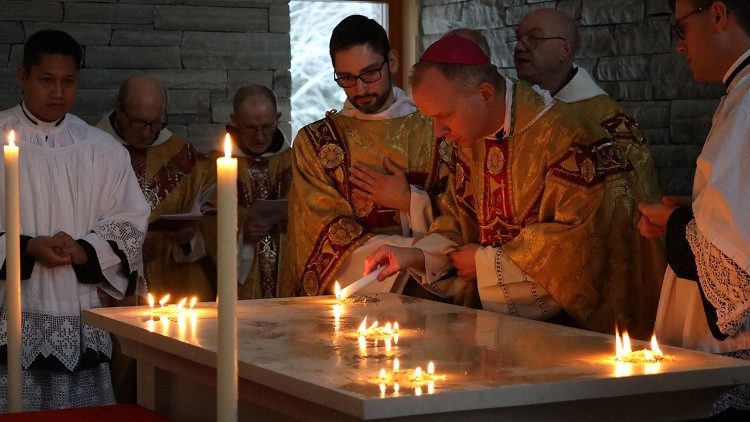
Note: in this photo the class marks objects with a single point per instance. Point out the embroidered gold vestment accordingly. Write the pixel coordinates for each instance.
(327, 221)
(172, 175)
(264, 177)
(558, 196)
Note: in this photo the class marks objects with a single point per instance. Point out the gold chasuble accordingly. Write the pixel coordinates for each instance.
(556, 199)
(172, 175)
(265, 177)
(327, 221)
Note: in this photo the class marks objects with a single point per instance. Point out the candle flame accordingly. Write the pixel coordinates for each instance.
(395, 326)
(655, 346)
(431, 368)
(396, 365)
(388, 328)
(382, 373)
(150, 300)
(382, 390)
(12, 138)
(418, 391)
(418, 373)
(373, 326)
(362, 327)
(337, 290)
(164, 299)
(182, 302)
(227, 146)
(395, 388)
(193, 301)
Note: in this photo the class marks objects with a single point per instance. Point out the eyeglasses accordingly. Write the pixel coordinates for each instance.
(532, 41)
(367, 77)
(265, 129)
(677, 24)
(155, 126)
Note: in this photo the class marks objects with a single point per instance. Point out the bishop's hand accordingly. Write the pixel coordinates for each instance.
(393, 259)
(390, 190)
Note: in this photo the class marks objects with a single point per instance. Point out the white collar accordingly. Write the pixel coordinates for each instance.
(402, 106)
(740, 60)
(581, 87)
(41, 124)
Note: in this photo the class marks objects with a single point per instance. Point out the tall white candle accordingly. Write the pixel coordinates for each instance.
(13, 274)
(226, 368)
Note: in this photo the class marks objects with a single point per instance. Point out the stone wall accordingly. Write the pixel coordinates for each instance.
(202, 50)
(627, 47)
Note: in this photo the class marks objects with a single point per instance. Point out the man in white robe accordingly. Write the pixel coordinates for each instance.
(83, 221)
(705, 299)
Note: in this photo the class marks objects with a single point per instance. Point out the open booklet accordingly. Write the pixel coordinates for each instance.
(170, 222)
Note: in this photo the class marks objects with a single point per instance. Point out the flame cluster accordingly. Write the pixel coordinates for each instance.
(168, 311)
(624, 351)
(411, 378)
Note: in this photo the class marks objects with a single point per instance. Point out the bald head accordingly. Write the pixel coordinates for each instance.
(558, 22)
(543, 55)
(255, 116)
(142, 90)
(255, 96)
(140, 110)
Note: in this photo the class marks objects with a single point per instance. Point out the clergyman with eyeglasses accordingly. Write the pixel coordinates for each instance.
(547, 40)
(264, 175)
(172, 174)
(362, 176)
(704, 301)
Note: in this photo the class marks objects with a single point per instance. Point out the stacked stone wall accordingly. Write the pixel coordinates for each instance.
(202, 50)
(627, 47)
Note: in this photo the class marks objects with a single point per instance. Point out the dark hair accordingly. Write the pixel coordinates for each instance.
(739, 8)
(358, 29)
(50, 41)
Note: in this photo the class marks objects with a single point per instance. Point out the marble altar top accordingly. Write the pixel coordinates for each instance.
(489, 360)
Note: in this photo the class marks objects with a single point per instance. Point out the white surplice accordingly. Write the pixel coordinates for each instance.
(719, 237)
(77, 179)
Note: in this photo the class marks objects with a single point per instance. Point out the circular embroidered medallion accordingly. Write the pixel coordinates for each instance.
(495, 161)
(344, 231)
(310, 283)
(362, 206)
(331, 155)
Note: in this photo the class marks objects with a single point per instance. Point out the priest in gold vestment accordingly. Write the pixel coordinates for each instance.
(172, 174)
(264, 173)
(541, 201)
(379, 134)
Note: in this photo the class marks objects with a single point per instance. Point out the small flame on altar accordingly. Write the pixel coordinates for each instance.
(164, 300)
(12, 138)
(418, 373)
(382, 373)
(150, 301)
(382, 390)
(431, 368)
(395, 389)
(193, 301)
(373, 326)
(181, 303)
(337, 290)
(227, 146)
(624, 350)
(362, 327)
(396, 365)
